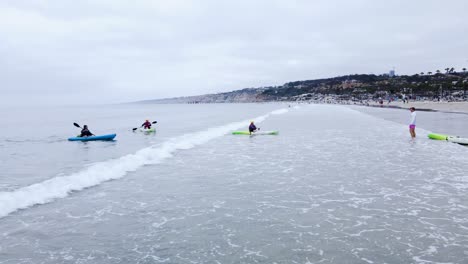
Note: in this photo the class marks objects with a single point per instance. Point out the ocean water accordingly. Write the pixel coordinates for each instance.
(337, 185)
(455, 124)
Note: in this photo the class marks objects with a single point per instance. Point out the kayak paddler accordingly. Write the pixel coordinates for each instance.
(146, 124)
(85, 132)
(252, 127)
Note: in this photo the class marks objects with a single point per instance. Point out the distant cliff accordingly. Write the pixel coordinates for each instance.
(247, 95)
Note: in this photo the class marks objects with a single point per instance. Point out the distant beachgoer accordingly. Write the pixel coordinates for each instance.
(85, 132)
(146, 124)
(252, 127)
(412, 124)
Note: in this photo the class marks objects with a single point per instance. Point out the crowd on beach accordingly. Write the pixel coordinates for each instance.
(441, 104)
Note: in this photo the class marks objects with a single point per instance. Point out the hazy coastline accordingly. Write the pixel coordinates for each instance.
(452, 107)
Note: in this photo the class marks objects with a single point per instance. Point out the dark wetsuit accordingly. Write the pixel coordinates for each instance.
(252, 128)
(86, 133)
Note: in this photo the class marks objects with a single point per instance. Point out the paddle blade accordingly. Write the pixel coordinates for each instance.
(154, 122)
(75, 124)
(135, 128)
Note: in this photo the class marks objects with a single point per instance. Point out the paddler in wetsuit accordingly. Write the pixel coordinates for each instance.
(146, 124)
(252, 127)
(85, 132)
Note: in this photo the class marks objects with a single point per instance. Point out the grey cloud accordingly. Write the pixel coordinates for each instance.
(131, 50)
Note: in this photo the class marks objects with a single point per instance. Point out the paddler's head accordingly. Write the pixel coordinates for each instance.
(85, 126)
(251, 122)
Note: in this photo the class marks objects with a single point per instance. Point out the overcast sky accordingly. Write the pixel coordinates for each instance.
(69, 51)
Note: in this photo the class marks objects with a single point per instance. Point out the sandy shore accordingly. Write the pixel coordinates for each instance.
(460, 107)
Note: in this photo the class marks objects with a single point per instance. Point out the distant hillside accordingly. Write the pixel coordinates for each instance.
(369, 86)
(450, 85)
(247, 95)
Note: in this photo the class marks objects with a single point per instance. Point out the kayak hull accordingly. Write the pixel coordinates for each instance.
(151, 130)
(437, 136)
(458, 140)
(93, 138)
(255, 133)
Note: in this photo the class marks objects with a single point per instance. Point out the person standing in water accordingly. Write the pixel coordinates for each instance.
(412, 124)
(252, 127)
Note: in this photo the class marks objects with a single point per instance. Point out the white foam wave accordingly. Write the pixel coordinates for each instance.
(60, 187)
(279, 111)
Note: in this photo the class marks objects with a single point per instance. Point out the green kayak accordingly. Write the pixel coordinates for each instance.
(273, 132)
(148, 130)
(453, 139)
(438, 136)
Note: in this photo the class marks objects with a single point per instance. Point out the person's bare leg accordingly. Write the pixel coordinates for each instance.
(412, 132)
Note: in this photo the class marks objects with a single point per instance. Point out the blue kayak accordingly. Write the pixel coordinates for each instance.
(102, 137)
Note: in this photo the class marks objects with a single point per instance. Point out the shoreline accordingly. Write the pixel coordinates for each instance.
(427, 106)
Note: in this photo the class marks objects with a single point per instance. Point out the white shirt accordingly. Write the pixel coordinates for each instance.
(413, 118)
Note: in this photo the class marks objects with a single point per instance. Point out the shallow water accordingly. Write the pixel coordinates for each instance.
(434, 121)
(335, 186)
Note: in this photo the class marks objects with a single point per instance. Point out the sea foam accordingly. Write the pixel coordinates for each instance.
(61, 186)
